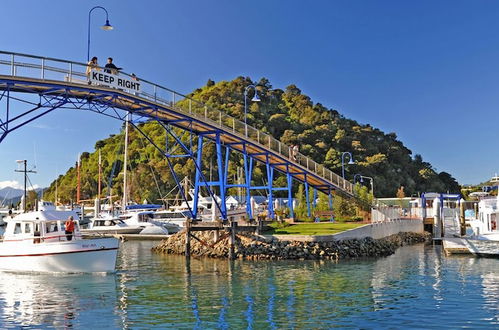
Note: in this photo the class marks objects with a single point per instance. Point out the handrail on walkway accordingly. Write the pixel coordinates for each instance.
(46, 68)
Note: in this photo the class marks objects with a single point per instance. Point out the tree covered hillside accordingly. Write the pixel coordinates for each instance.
(290, 116)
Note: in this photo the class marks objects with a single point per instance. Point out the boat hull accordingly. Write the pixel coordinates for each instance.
(109, 231)
(80, 256)
(482, 247)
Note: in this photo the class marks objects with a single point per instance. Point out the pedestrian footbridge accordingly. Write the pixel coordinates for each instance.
(61, 84)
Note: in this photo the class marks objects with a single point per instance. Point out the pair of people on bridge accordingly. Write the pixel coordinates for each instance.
(108, 68)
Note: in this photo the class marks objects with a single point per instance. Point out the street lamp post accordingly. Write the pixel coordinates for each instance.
(355, 178)
(254, 99)
(106, 27)
(350, 162)
(372, 182)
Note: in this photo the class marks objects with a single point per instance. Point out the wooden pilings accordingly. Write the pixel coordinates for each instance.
(462, 219)
(232, 240)
(188, 225)
(231, 228)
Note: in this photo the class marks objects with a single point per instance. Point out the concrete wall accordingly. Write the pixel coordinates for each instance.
(374, 230)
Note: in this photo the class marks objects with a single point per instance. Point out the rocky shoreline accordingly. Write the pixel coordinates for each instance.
(254, 247)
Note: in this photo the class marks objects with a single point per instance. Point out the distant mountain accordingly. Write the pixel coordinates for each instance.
(9, 195)
(9, 192)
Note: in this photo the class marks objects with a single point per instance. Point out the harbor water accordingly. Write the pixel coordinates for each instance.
(417, 287)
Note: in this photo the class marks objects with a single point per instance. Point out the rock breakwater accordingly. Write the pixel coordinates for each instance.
(253, 247)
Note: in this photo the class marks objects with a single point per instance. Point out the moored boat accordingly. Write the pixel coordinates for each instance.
(144, 219)
(484, 241)
(37, 242)
(109, 225)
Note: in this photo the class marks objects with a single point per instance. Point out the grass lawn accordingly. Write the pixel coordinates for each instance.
(324, 228)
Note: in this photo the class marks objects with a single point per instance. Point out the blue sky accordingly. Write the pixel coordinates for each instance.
(426, 70)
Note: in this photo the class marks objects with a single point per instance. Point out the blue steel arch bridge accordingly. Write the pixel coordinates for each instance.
(60, 84)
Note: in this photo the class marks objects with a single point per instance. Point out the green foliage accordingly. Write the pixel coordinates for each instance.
(300, 210)
(344, 207)
(364, 197)
(291, 117)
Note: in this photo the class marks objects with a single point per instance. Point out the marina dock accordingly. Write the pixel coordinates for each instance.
(454, 245)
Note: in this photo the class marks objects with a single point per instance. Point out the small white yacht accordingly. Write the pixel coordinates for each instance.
(145, 219)
(484, 241)
(36, 242)
(108, 224)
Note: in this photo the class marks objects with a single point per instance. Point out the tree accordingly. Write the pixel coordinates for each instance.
(343, 207)
(290, 116)
(400, 195)
(301, 211)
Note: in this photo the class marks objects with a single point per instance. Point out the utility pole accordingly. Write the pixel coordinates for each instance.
(25, 171)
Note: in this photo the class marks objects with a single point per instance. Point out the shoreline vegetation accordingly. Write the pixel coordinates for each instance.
(257, 247)
(286, 114)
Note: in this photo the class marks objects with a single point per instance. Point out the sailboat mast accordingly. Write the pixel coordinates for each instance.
(78, 180)
(125, 199)
(100, 176)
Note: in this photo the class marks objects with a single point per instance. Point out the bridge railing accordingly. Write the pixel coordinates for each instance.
(45, 68)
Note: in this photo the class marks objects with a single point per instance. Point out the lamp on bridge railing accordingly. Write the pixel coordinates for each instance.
(106, 27)
(372, 182)
(355, 178)
(254, 99)
(350, 162)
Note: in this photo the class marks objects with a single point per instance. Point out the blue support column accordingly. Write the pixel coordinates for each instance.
(314, 202)
(290, 195)
(226, 167)
(330, 201)
(221, 179)
(247, 184)
(199, 166)
(270, 177)
(309, 213)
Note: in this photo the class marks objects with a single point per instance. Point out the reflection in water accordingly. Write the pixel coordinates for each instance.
(416, 287)
(490, 282)
(36, 300)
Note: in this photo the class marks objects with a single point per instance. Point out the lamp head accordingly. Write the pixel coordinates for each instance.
(256, 98)
(107, 26)
(361, 179)
(351, 162)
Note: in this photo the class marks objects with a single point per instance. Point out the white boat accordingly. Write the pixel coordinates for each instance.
(484, 241)
(36, 242)
(107, 224)
(173, 219)
(144, 219)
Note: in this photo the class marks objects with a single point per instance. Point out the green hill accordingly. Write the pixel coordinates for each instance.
(290, 116)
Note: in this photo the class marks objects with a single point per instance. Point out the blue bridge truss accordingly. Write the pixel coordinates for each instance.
(59, 84)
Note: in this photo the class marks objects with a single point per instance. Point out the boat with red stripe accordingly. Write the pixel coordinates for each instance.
(38, 242)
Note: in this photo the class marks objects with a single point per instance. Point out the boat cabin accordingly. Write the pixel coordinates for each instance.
(137, 217)
(40, 226)
(487, 221)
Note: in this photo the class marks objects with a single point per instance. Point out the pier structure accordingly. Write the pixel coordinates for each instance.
(33, 86)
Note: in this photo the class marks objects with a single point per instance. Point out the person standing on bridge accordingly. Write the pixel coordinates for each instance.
(92, 65)
(110, 67)
(295, 152)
